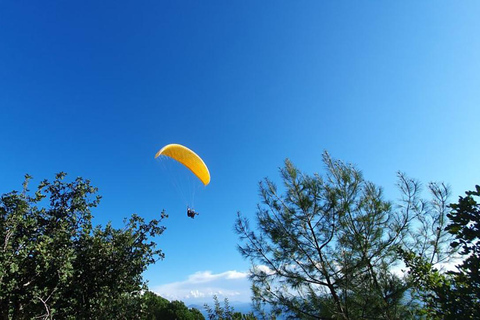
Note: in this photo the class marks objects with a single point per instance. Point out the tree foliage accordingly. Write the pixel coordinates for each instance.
(465, 226)
(225, 312)
(158, 308)
(54, 263)
(326, 246)
(454, 294)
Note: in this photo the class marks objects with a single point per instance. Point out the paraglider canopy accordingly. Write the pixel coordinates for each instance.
(188, 158)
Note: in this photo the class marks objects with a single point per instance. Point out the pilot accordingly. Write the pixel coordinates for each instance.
(191, 213)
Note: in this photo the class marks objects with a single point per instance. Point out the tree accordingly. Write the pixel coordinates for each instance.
(155, 306)
(465, 227)
(225, 312)
(327, 246)
(162, 309)
(454, 294)
(54, 263)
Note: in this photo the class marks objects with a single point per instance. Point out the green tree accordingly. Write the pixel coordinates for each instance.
(219, 312)
(154, 305)
(162, 309)
(225, 312)
(178, 310)
(454, 294)
(465, 227)
(54, 263)
(326, 247)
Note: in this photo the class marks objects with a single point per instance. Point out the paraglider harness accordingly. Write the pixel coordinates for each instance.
(191, 213)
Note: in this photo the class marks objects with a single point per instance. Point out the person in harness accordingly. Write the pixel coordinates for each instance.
(191, 213)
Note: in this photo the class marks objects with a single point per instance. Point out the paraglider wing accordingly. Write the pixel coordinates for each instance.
(188, 158)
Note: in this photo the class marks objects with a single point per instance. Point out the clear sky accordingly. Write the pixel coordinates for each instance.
(96, 88)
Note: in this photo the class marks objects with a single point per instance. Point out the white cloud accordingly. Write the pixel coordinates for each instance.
(208, 276)
(265, 269)
(201, 286)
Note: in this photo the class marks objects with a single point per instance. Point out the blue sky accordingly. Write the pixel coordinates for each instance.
(95, 89)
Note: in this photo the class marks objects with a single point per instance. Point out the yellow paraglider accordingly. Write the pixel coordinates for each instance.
(188, 158)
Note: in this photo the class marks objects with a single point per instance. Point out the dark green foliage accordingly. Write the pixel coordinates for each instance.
(154, 305)
(326, 247)
(465, 226)
(455, 294)
(158, 308)
(55, 264)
